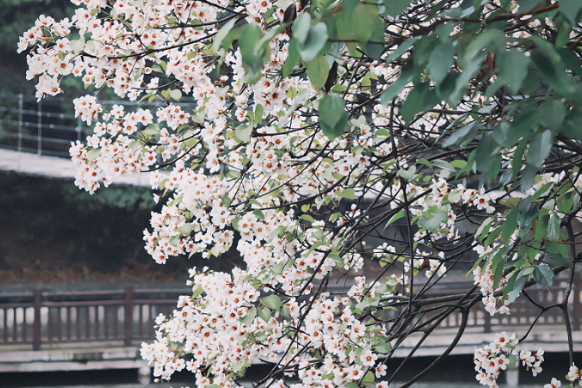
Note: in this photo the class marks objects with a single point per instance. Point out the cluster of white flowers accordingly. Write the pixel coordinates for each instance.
(501, 354)
(485, 279)
(574, 376)
(244, 158)
(221, 325)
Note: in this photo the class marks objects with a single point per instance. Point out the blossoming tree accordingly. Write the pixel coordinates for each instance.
(326, 136)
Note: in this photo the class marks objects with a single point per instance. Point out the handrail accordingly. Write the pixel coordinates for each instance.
(72, 316)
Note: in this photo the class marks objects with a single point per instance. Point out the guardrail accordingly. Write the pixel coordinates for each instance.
(47, 127)
(39, 317)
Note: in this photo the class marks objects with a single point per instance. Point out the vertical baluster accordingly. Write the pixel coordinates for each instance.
(115, 322)
(59, 324)
(24, 323)
(78, 321)
(39, 126)
(487, 326)
(36, 327)
(87, 323)
(5, 329)
(141, 307)
(50, 325)
(14, 326)
(128, 315)
(152, 319)
(68, 323)
(20, 107)
(79, 128)
(106, 321)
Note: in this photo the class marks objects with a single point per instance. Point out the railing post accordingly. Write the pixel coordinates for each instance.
(20, 107)
(39, 134)
(79, 128)
(487, 325)
(128, 315)
(36, 324)
(576, 311)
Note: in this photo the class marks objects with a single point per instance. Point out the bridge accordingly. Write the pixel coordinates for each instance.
(92, 330)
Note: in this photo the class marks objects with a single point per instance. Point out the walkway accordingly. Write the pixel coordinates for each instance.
(50, 166)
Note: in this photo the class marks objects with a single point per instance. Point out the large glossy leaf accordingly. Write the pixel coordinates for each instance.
(333, 117)
(318, 71)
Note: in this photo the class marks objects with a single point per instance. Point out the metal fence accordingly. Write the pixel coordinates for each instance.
(47, 127)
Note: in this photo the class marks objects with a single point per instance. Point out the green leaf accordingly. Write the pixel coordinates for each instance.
(314, 42)
(401, 49)
(539, 148)
(555, 247)
(383, 347)
(272, 301)
(396, 7)
(333, 117)
(441, 60)
(548, 62)
(407, 174)
(93, 154)
(517, 288)
(552, 114)
(498, 263)
(361, 23)
(397, 86)
(512, 68)
(348, 193)
(221, 34)
(368, 379)
(176, 94)
(259, 214)
(253, 55)
(198, 291)
(292, 58)
(571, 9)
(544, 276)
(557, 260)
(374, 50)
(464, 78)
(78, 45)
(249, 317)
(337, 259)
(463, 135)
(509, 225)
(185, 229)
(474, 49)
(318, 70)
(259, 114)
(265, 314)
(306, 217)
(301, 27)
(243, 132)
(420, 99)
(432, 222)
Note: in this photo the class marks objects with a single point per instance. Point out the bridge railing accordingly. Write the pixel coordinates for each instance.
(523, 312)
(39, 317)
(42, 318)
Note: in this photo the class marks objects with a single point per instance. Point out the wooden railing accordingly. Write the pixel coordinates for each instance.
(39, 317)
(127, 315)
